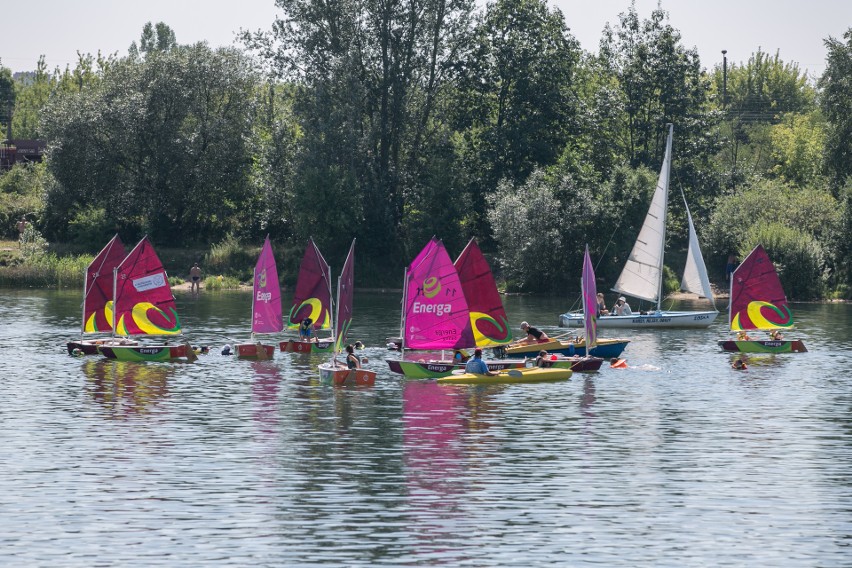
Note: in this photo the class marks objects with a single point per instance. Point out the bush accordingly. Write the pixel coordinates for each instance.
(231, 259)
(213, 283)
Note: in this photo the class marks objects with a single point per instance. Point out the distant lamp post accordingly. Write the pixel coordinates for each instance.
(724, 78)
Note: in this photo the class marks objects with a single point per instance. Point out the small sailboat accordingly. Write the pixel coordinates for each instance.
(265, 306)
(312, 299)
(335, 372)
(97, 300)
(757, 303)
(144, 307)
(591, 344)
(642, 276)
(486, 317)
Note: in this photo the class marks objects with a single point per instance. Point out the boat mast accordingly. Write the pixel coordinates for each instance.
(667, 166)
(402, 310)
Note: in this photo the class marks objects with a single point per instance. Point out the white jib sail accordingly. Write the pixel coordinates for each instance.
(695, 278)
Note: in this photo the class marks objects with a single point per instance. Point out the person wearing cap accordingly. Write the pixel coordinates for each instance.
(621, 307)
(476, 365)
(534, 335)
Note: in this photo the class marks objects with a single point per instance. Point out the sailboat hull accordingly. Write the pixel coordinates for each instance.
(531, 375)
(340, 375)
(763, 346)
(665, 319)
(294, 346)
(90, 346)
(433, 369)
(606, 348)
(255, 351)
(146, 352)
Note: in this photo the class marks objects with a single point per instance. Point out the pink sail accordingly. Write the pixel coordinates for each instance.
(436, 312)
(266, 302)
(97, 298)
(488, 320)
(312, 298)
(590, 301)
(757, 297)
(144, 304)
(345, 298)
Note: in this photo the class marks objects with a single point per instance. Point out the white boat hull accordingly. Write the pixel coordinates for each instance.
(663, 319)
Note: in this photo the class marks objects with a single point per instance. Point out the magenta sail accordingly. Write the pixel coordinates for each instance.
(97, 299)
(757, 297)
(436, 312)
(144, 304)
(266, 302)
(312, 298)
(345, 298)
(590, 301)
(488, 320)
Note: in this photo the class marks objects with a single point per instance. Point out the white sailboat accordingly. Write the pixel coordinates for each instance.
(642, 276)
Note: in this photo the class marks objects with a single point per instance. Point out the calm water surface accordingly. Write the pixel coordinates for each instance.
(677, 461)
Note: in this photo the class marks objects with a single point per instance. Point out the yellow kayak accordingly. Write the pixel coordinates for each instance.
(527, 375)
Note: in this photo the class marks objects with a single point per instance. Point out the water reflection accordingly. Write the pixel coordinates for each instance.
(126, 388)
(265, 393)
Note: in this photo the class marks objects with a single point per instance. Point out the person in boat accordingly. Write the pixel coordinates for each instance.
(602, 311)
(306, 329)
(543, 359)
(621, 307)
(743, 336)
(460, 356)
(776, 335)
(477, 366)
(534, 335)
(352, 361)
(195, 277)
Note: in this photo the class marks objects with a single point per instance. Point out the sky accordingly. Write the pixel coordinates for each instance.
(58, 29)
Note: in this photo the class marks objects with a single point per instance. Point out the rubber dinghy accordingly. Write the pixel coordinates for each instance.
(528, 375)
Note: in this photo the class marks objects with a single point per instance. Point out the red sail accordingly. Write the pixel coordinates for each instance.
(487, 315)
(97, 298)
(345, 298)
(312, 298)
(757, 298)
(144, 304)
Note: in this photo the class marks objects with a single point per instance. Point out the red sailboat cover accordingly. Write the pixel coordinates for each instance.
(144, 304)
(757, 298)
(312, 298)
(97, 297)
(266, 302)
(436, 312)
(488, 319)
(345, 298)
(590, 301)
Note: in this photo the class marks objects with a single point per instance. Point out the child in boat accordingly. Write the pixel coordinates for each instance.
(351, 359)
(776, 335)
(306, 329)
(743, 336)
(543, 360)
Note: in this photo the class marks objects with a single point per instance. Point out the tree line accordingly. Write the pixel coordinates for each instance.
(397, 120)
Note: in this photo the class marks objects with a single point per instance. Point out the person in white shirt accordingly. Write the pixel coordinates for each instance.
(621, 307)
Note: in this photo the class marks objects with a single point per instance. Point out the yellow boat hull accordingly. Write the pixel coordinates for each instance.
(530, 375)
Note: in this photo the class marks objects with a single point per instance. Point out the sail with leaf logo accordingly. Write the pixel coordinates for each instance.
(144, 306)
(758, 303)
(488, 321)
(98, 290)
(312, 299)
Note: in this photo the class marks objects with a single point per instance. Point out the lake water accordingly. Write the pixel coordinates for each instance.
(678, 460)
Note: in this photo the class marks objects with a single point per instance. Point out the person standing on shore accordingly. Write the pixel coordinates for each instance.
(195, 277)
(21, 226)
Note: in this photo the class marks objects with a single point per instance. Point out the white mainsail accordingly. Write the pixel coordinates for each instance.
(642, 276)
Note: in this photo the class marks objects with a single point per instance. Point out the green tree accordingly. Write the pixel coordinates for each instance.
(162, 144)
(798, 146)
(369, 79)
(836, 103)
(7, 100)
(516, 109)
